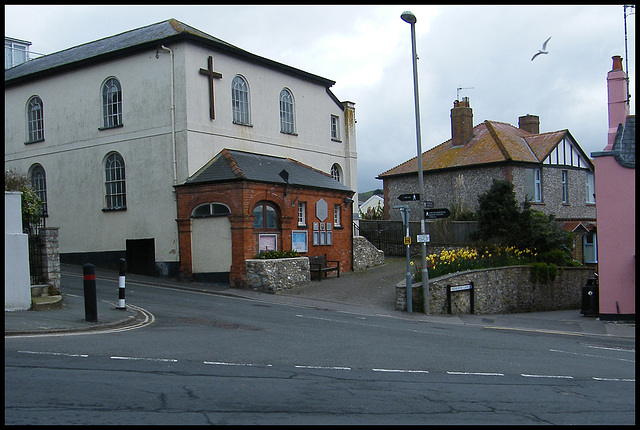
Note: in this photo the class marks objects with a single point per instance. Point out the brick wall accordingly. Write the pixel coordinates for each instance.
(241, 198)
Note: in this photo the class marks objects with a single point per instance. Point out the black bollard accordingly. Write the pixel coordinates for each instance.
(90, 299)
(121, 286)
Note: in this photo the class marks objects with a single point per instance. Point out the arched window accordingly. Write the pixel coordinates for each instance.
(287, 114)
(115, 188)
(210, 210)
(39, 184)
(266, 217)
(240, 100)
(336, 172)
(111, 103)
(35, 120)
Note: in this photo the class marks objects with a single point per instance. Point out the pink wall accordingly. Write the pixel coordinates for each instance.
(615, 206)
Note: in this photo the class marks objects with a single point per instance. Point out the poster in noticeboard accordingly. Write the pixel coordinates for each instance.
(267, 242)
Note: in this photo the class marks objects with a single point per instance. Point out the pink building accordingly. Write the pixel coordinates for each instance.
(615, 204)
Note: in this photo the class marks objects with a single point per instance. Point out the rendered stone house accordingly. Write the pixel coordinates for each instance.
(615, 185)
(549, 169)
(110, 130)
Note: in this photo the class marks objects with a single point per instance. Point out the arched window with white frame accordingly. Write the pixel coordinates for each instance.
(336, 172)
(287, 112)
(39, 184)
(240, 100)
(111, 103)
(35, 120)
(114, 181)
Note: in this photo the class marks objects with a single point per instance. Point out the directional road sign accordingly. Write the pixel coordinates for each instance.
(408, 197)
(436, 213)
(428, 204)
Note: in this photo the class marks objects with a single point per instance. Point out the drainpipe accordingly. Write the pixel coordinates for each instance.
(173, 121)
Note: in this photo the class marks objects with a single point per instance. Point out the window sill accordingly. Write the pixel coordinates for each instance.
(114, 209)
(34, 141)
(333, 139)
(289, 133)
(242, 123)
(109, 128)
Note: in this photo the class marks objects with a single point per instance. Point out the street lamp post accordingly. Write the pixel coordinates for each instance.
(411, 19)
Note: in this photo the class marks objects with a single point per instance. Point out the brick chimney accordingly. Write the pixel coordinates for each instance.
(461, 122)
(530, 123)
(617, 98)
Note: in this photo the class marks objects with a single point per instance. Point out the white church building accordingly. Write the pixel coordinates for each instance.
(134, 138)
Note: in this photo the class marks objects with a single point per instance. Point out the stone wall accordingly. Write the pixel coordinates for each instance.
(503, 290)
(365, 255)
(273, 275)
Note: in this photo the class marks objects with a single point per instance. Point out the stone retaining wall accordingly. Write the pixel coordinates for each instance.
(503, 290)
(273, 275)
(365, 255)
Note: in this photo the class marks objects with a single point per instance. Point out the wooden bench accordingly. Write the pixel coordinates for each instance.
(319, 265)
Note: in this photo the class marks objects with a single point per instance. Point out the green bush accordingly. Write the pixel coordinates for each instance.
(268, 255)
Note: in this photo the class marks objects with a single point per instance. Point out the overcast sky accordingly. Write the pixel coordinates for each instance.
(367, 51)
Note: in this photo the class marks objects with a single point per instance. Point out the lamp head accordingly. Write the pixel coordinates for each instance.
(409, 17)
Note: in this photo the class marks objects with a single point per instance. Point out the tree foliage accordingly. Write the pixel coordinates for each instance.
(500, 220)
(31, 204)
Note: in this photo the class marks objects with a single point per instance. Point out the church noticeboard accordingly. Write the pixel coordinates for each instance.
(300, 240)
(267, 242)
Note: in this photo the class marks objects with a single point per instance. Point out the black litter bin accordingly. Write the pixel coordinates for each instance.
(590, 299)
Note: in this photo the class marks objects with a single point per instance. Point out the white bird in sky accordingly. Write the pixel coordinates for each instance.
(542, 51)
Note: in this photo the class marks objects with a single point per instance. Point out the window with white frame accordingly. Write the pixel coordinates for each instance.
(335, 128)
(287, 113)
(565, 186)
(115, 187)
(590, 248)
(111, 103)
(302, 214)
(15, 52)
(39, 185)
(336, 173)
(210, 210)
(591, 188)
(336, 215)
(537, 185)
(240, 100)
(35, 120)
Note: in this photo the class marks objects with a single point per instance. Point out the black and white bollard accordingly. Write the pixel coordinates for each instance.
(121, 284)
(90, 299)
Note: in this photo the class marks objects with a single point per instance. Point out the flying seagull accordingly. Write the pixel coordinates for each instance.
(542, 51)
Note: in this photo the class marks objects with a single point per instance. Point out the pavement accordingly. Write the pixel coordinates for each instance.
(370, 292)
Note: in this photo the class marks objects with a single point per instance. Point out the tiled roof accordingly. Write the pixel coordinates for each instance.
(232, 165)
(492, 142)
(144, 38)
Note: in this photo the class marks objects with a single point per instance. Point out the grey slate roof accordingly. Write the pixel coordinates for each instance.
(133, 41)
(232, 165)
(624, 144)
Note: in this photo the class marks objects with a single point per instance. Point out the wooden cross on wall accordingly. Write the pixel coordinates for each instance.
(210, 74)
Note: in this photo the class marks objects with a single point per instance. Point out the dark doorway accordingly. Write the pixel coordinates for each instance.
(141, 257)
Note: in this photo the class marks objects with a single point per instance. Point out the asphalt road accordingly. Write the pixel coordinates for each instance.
(209, 359)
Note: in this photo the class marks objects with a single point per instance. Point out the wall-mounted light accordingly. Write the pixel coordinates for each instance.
(347, 202)
(285, 176)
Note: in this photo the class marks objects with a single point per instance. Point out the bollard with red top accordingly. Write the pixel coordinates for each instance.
(90, 299)
(121, 286)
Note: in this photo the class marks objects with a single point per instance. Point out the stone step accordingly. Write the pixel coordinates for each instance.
(46, 303)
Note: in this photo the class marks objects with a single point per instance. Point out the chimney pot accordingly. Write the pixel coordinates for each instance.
(617, 63)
